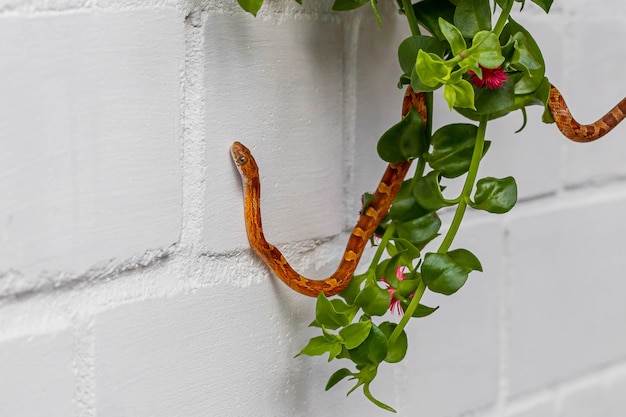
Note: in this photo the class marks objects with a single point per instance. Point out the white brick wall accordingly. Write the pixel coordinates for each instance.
(126, 284)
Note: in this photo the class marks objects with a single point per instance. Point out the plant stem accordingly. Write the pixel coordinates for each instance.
(415, 300)
(504, 16)
(382, 245)
(410, 16)
(467, 187)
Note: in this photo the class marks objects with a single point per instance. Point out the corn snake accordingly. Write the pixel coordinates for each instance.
(384, 195)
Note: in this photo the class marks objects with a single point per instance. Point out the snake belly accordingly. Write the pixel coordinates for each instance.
(370, 217)
(576, 132)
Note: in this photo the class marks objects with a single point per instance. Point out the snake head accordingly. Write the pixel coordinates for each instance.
(243, 160)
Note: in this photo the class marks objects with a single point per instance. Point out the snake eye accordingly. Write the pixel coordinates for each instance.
(242, 160)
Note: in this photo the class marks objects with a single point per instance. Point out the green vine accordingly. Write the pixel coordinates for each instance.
(485, 72)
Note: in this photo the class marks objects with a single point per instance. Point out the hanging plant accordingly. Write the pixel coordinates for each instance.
(486, 71)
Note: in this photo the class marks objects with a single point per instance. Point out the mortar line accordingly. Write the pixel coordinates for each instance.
(350, 53)
(83, 364)
(192, 132)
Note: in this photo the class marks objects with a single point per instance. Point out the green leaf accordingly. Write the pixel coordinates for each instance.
(408, 49)
(418, 85)
(428, 13)
(373, 300)
(526, 56)
(373, 350)
(405, 207)
(472, 16)
(442, 274)
(354, 334)
(453, 36)
(408, 251)
(453, 146)
(403, 141)
(496, 100)
(428, 193)
(459, 94)
(343, 5)
(466, 260)
(251, 6)
(397, 351)
(421, 230)
(354, 287)
(421, 310)
(326, 315)
(486, 49)
(431, 69)
(544, 4)
(317, 346)
(338, 376)
(407, 287)
(495, 195)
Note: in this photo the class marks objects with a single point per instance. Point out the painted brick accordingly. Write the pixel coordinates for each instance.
(218, 351)
(276, 87)
(538, 145)
(566, 293)
(541, 409)
(90, 160)
(377, 102)
(595, 84)
(615, 386)
(36, 376)
(453, 357)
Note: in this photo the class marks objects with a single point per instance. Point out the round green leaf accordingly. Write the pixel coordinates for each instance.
(472, 16)
(397, 351)
(355, 333)
(408, 49)
(466, 260)
(442, 274)
(427, 192)
(373, 350)
(453, 146)
(405, 206)
(495, 195)
(420, 231)
(373, 300)
(326, 315)
(403, 141)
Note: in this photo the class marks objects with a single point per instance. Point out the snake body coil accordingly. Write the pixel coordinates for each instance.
(384, 195)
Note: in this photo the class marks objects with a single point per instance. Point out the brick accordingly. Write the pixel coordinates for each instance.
(543, 408)
(217, 351)
(279, 91)
(513, 154)
(453, 357)
(92, 172)
(566, 296)
(377, 101)
(595, 77)
(615, 386)
(586, 400)
(37, 377)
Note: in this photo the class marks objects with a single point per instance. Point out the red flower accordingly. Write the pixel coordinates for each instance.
(492, 78)
(395, 306)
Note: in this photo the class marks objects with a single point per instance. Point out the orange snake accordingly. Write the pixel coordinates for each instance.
(384, 195)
